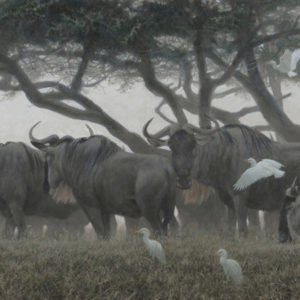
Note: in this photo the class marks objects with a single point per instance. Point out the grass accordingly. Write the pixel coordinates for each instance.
(122, 269)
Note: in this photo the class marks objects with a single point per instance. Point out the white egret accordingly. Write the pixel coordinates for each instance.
(231, 268)
(257, 171)
(288, 62)
(294, 61)
(154, 247)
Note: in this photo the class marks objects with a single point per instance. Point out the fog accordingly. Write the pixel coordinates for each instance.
(131, 108)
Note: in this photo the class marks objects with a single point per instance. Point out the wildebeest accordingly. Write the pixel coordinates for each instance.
(216, 157)
(22, 183)
(106, 180)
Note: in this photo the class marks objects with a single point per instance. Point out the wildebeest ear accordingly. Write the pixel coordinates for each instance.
(43, 147)
(38, 145)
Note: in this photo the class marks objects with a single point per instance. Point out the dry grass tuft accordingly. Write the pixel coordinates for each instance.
(122, 269)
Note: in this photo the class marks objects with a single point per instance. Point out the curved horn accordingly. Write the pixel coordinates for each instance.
(153, 139)
(294, 182)
(41, 143)
(90, 130)
(206, 131)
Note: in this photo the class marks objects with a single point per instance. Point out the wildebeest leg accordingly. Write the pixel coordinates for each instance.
(106, 225)
(231, 214)
(253, 217)
(9, 227)
(19, 218)
(241, 211)
(231, 221)
(154, 221)
(168, 218)
(271, 223)
(174, 225)
(113, 225)
(283, 229)
(95, 217)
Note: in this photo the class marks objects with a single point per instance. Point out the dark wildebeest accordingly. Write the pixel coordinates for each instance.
(106, 180)
(22, 183)
(217, 157)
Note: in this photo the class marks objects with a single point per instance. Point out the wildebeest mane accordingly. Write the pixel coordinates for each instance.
(254, 140)
(33, 156)
(220, 155)
(99, 151)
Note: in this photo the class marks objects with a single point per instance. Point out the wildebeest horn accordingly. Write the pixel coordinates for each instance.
(41, 143)
(294, 182)
(206, 131)
(90, 130)
(154, 139)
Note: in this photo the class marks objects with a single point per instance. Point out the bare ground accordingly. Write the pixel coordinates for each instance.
(122, 269)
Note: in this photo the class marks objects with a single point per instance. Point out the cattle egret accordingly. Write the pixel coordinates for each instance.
(232, 269)
(154, 247)
(294, 61)
(264, 168)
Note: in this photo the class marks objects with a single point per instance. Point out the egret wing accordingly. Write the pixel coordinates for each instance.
(159, 253)
(272, 163)
(235, 271)
(250, 176)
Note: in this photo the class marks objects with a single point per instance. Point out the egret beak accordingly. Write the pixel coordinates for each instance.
(137, 232)
(246, 160)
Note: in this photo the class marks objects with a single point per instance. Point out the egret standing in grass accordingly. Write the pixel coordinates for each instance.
(154, 247)
(232, 269)
(258, 170)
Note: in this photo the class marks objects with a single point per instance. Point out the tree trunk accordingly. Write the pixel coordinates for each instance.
(266, 103)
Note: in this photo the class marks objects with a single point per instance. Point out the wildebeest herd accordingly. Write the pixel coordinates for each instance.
(106, 180)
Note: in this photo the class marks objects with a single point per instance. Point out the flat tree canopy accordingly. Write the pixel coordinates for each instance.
(182, 50)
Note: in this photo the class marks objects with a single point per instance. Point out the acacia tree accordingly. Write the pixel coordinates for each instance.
(206, 44)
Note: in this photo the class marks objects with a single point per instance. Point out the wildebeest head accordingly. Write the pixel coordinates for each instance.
(293, 190)
(53, 147)
(183, 143)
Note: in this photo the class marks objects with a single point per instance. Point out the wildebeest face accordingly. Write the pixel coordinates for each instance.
(183, 147)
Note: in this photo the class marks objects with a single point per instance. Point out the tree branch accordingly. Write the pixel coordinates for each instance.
(76, 83)
(151, 82)
(91, 111)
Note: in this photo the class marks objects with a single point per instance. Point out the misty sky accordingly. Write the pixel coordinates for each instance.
(132, 108)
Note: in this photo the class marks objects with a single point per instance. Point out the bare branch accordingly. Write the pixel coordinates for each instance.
(227, 92)
(275, 36)
(262, 127)
(91, 111)
(155, 86)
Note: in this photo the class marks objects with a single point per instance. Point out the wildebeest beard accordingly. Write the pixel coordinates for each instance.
(46, 186)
